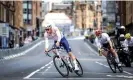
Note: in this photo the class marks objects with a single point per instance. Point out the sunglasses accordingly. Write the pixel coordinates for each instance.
(47, 29)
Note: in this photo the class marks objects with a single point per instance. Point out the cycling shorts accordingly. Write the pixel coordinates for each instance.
(106, 45)
(65, 44)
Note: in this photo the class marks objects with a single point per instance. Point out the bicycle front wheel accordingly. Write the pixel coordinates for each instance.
(111, 62)
(60, 66)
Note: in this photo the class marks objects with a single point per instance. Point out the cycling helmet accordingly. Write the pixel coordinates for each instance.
(48, 25)
(128, 35)
(122, 27)
(98, 32)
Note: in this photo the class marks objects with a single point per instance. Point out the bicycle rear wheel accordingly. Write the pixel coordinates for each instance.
(80, 71)
(120, 68)
(60, 66)
(111, 62)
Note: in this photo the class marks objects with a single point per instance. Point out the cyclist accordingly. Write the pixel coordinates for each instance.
(103, 40)
(128, 43)
(51, 31)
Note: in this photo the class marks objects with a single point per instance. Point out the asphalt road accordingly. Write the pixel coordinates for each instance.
(35, 65)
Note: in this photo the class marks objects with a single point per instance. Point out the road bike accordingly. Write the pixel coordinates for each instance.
(112, 62)
(64, 62)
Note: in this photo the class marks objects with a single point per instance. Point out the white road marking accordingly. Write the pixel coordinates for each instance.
(74, 78)
(31, 74)
(128, 72)
(84, 72)
(108, 67)
(24, 52)
(92, 51)
(120, 76)
(102, 64)
(84, 59)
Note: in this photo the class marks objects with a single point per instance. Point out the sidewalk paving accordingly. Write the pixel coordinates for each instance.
(14, 52)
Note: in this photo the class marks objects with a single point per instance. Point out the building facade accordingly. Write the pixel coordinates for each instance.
(11, 13)
(104, 15)
(111, 11)
(31, 16)
(84, 15)
(17, 17)
(125, 14)
(120, 13)
(99, 13)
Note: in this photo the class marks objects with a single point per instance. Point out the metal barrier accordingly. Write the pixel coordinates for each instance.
(12, 51)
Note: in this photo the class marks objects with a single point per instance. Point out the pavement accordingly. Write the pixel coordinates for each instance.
(35, 65)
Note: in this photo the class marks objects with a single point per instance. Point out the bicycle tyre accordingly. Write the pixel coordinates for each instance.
(109, 56)
(80, 67)
(127, 62)
(64, 75)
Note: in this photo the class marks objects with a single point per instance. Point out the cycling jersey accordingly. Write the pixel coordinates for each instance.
(56, 35)
(128, 43)
(102, 40)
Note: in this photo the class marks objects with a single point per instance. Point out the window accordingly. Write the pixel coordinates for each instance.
(29, 11)
(25, 11)
(25, 5)
(29, 6)
(30, 16)
(24, 16)
(30, 2)
(29, 21)
(25, 21)
(7, 15)
(4, 14)
(40, 4)
(24, 1)
(11, 18)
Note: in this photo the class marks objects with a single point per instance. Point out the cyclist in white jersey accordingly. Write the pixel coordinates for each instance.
(51, 31)
(103, 40)
(128, 43)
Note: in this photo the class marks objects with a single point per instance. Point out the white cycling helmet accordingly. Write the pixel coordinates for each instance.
(122, 35)
(122, 27)
(49, 25)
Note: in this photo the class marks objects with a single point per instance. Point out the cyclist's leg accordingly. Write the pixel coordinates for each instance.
(66, 46)
(104, 52)
(114, 53)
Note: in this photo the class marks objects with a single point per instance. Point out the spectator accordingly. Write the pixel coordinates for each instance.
(28, 39)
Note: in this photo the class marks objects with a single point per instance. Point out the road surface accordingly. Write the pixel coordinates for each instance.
(35, 65)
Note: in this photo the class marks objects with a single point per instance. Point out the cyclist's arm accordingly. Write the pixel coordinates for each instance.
(58, 34)
(98, 44)
(46, 41)
(125, 44)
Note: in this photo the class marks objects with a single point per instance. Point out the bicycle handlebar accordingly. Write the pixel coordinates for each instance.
(47, 53)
